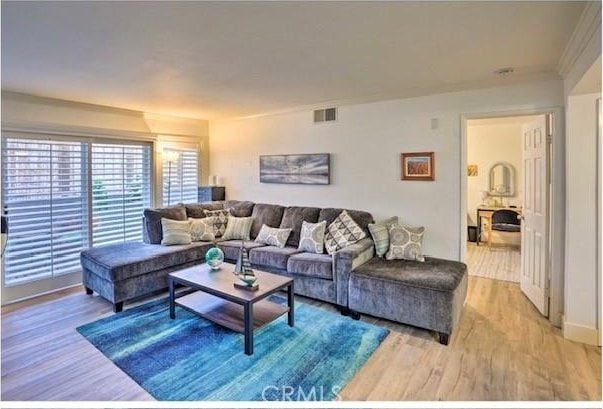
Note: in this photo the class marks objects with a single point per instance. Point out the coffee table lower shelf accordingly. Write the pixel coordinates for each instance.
(229, 314)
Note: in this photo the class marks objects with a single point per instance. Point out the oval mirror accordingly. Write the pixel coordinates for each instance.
(502, 177)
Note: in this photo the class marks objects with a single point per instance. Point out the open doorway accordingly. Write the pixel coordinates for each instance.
(496, 195)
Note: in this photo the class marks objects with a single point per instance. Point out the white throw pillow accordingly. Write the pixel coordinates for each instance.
(273, 236)
(175, 231)
(312, 237)
(238, 228)
(203, 229)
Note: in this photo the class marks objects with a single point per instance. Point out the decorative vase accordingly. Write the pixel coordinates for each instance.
(214, 258)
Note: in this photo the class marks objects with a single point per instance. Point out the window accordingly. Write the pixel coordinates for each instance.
(120, 192)
(180, 171)
(44, 196)
(63, 196)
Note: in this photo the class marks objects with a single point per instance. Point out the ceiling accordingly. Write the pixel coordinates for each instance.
(233, 59)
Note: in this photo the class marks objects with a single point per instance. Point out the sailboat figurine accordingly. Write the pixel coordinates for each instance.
(244, 272)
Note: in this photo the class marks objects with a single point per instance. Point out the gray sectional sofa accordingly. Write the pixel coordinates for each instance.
(124, 271)
(428, 295)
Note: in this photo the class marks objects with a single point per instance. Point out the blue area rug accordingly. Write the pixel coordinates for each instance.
(191, 358)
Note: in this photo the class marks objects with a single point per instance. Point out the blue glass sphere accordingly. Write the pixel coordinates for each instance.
(214, 257)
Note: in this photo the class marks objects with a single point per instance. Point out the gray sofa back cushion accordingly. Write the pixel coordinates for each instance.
(197, 210)
(293, 218)
(239, 208)
(268, 214)
(362, 218)
(152, 232)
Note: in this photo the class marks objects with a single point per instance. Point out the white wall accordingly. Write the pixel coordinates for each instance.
(581, 290)
(582, 86)
(365, 144)
(488, 144)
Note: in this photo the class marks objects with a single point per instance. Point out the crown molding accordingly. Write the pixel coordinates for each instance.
(587, 27)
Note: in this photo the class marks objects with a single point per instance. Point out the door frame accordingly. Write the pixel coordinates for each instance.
(556, 221)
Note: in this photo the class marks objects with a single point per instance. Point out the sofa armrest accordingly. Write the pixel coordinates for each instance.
(346, 260)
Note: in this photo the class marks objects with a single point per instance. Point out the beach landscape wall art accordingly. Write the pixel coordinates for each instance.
(306, 169)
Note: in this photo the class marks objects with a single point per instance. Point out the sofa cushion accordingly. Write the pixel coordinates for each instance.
(231, 247)
(268, 214)
(271, 256)
(433, 273)
(311, 265)
(239, 208)
(197, 210)
(116, 262)
(360, 217)
(152, 221)
(293, 217)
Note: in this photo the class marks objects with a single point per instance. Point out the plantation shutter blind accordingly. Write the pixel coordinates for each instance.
(62, 197)
(180, 178)
(44, 186)
(121, 183)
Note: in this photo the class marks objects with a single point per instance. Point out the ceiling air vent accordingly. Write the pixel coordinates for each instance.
(325, 115)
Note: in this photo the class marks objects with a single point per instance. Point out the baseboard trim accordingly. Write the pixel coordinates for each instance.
(29, 297)
(581, 333)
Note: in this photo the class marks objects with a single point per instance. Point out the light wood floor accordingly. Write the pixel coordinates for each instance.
(502, 350)
(499, 262)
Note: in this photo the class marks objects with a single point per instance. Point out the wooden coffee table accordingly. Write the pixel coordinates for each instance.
(219, 301)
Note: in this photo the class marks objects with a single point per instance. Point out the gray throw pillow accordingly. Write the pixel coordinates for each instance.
(405, 243)
(238, 228)
(380, 233)
(175, 232)
(273, 236)
(312, 237)
(343, 232)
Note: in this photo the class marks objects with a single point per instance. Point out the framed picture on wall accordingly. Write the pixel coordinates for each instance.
(418, 166)
(305, 169)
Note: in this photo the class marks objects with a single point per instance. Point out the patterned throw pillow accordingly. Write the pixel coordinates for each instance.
(273, 236)
(238, 228)
(175, 232)
(221, 219)
(380, 233)
(342, 232)
(405, 243)
(202, 229)
(312, 237)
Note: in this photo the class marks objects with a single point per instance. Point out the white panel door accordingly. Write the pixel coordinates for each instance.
(534, 230)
